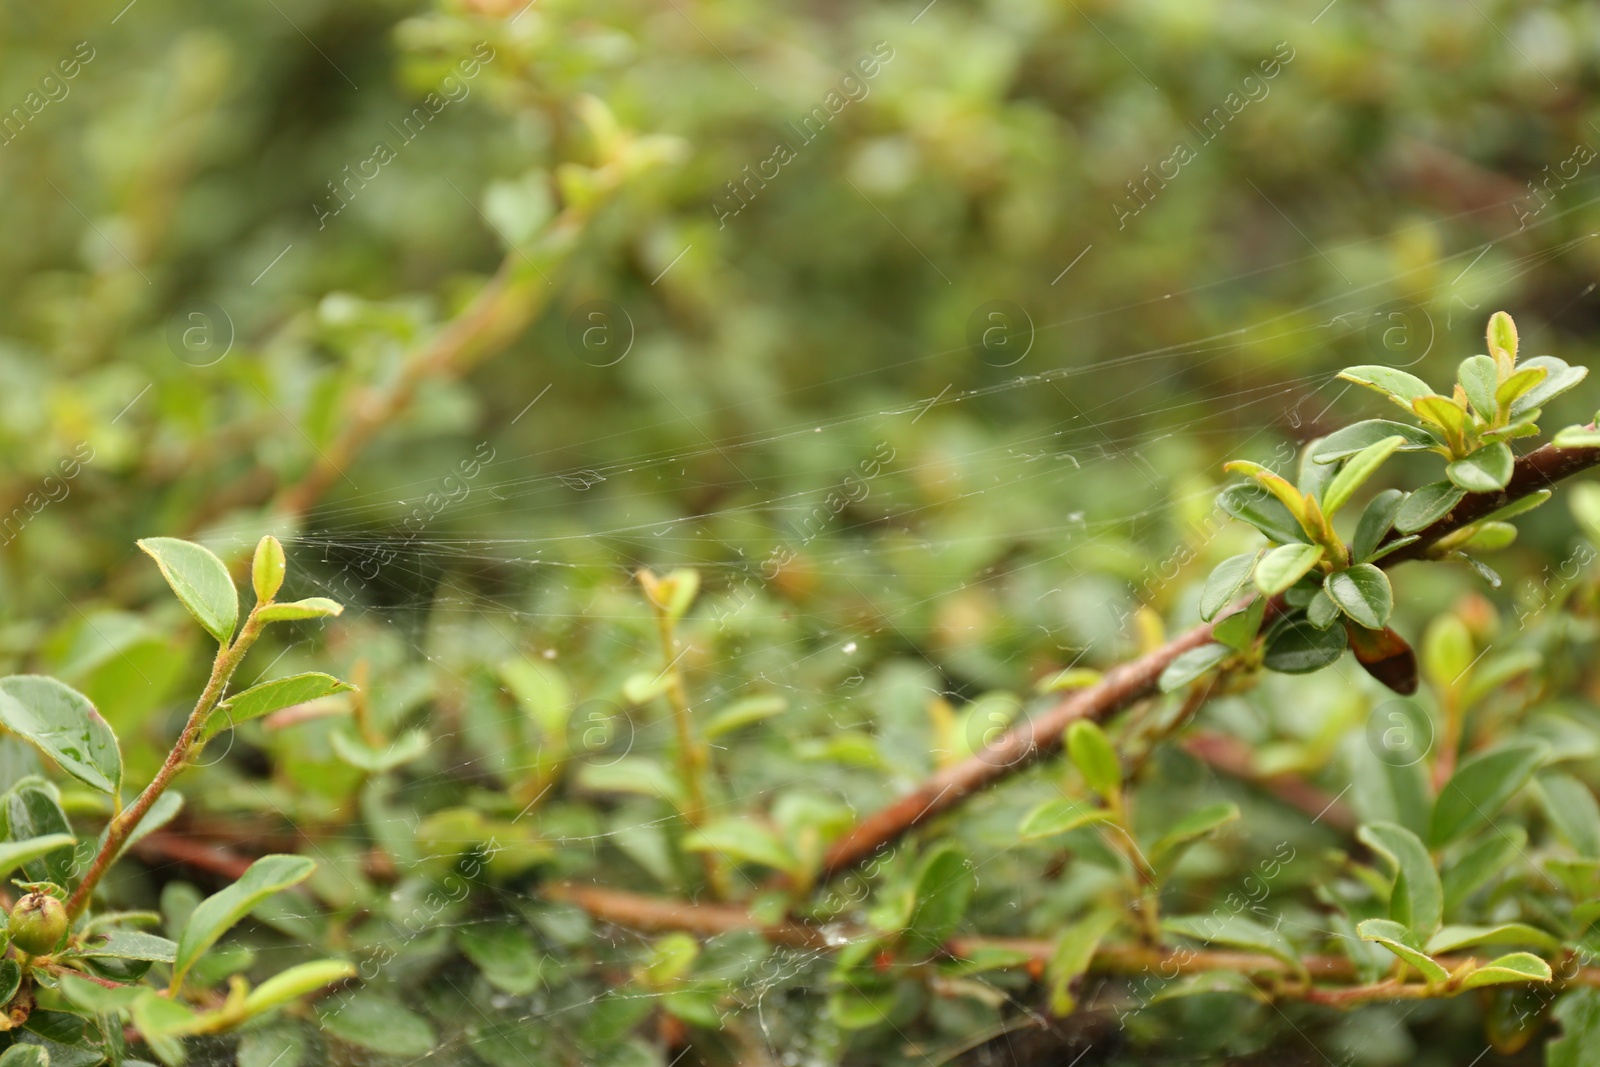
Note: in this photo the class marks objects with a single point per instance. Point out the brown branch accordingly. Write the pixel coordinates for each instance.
(657, 915)
(1122, 685)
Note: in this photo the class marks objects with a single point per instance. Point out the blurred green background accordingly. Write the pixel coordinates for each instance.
(1043, 266)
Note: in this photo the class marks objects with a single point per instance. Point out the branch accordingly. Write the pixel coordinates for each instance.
(1122, 685)
(1275, 976)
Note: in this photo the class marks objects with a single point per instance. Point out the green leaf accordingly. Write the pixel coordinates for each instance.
(1479, 379)
(1355, 472)
(1283, 566)
(644, 686)
(1490, 536)
(1455, 938)
(1502, 338)
(1427, 505)
(1445, 413)
(1239, 630)
(1236, 931)
(1347, 441)
(742, 713)
(637, 775)
(25, 1056)
(1362, 592)
(1447, 652)
(1516, 967)
(1399, 940)
(1559, 377)
(1485, 471)
(1578, 1012)
(268, 697)
(1057, 817)
(1417, 899)
(376, 1022)
(1294, 646)
(1254, 505)
(1322, 612)
(1074, 952)
(1523, 379)
(316, 607)
(354, 749)
(217, 913)
(1397, 385)
(1572, 810)
(543, 693)
(129, 945)
(941, 891)
(60, 722)
(1482, 862)
(1226, 583)
(1375, 521)
(504, 953)
(743, 841)
(201, 581)
(296, 982)
(1576, 437)
(14, 854)
(1091, 752)
(1191, 665)
(1164, 854)
(1481, 786)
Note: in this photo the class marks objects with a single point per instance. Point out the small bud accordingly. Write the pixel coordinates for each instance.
(38, 924)
(266, 571)
(1503, 339)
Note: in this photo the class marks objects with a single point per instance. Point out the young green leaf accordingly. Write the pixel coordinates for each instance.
(268, 697)
(1091, 752)
(1399, 940)
(128, 945)
(1451, 418)
(543, 693)
(379, 758)
(1164, 854)
(1294, 646)
(1397, 385)
(1192, 665)
(1254, 505)
(1456, 938)
(1481, 786)
(1516, 967)
(1502, 337)
(218, 912)
(267, 568)
(60, 722)
(296, 982)
(1576, 437)
(1225, 583)
(1238, 631)
(1363, 593)
(1355, 472)
(1417, 899)
(1485, 471)
(1074, 952)
(1058, 817)
(315, 607)
(1508, 391)
(1428, 504)
(1479, 379)
(201, 581)
(1283, 566)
